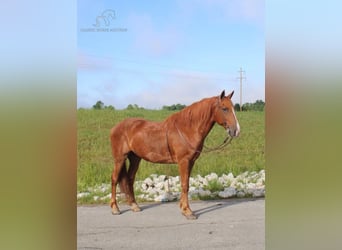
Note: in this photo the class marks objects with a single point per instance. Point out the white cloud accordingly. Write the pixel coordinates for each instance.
(184, 87)
(149, 40)
(238, 10)
(92, 63)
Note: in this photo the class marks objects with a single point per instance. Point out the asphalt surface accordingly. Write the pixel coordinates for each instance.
(222, 224)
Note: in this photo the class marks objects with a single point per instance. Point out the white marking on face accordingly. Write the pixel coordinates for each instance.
(237, 124)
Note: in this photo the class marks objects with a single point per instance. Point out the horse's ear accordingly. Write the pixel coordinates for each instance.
(231, 95)
(222, 95)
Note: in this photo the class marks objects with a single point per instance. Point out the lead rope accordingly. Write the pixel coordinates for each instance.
(226, 141)
(219, 147)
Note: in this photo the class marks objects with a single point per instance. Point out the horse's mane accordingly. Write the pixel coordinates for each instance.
(198, 112)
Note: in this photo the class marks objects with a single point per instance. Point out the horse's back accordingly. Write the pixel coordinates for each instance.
(131, 125)
(125, 127)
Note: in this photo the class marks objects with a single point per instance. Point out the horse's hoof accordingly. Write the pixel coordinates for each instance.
(135, 208)
(190, 216)
(115, 212)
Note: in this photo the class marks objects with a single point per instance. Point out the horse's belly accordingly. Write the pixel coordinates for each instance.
(157, 158)
(154, 153)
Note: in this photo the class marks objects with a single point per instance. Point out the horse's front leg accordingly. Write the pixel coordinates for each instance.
(184, 170)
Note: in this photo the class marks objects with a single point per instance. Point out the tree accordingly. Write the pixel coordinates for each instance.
(237, 107)
(130, 106)
(256, 106)
(173, 107)
(134, 106)
(98, 105)
(109, 107)
(259, 105)
(180, 106)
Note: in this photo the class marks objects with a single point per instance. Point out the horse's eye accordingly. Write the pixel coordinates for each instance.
(225, 109)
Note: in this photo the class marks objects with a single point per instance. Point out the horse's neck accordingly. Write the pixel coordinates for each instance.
(198, 122)
(205, 129)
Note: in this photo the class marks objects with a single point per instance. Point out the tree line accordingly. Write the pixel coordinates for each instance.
(258, 105)
(100, 105)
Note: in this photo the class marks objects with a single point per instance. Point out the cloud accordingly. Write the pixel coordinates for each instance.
(92, 63)
(150, 40)
(180, 86)
(251, 11)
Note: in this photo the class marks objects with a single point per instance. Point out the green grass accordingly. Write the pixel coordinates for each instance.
(214, 186)
(95, 162)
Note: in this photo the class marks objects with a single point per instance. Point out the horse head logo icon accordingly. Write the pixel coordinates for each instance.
(105, 18)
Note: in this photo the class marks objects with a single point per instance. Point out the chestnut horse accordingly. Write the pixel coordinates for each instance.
(178, 139)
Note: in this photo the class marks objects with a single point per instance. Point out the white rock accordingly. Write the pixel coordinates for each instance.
(80, 195)
(250, 186)
(144, 186)
(151, 191)
(258, 192)
(108, 196)
(238, 185)
(175, 179)
(159, 185)
(165, 197)
(162, 178)
(193, 182)
(204, 183)
(212, 176)
(166, 186)
(148, 181)
(230, 176)
(227, 192)
(203, 192)
(240, 194)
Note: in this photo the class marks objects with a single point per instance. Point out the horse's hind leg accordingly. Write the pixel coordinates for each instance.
(116, 177)
(132, 170)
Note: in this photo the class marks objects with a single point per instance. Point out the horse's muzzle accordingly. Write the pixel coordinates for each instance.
(233, 132)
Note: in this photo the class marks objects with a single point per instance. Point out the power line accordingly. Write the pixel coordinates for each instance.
(241, 77)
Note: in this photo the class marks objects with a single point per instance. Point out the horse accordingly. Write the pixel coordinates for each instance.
(178, 139)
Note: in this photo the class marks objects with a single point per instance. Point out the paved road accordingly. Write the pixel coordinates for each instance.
(223, 224)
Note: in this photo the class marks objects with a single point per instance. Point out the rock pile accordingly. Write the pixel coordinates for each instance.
(167, 188)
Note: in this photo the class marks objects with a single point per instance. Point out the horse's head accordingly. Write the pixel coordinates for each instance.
(225, 114)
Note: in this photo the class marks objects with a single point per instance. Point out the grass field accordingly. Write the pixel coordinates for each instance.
(95, 162)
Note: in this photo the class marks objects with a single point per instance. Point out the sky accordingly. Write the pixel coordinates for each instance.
(167, 52)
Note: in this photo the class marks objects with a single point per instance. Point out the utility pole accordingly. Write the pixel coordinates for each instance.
(241, 78)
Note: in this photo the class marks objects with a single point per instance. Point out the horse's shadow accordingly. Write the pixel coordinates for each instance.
(221, 204)
(217, 204)
(142, 206)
